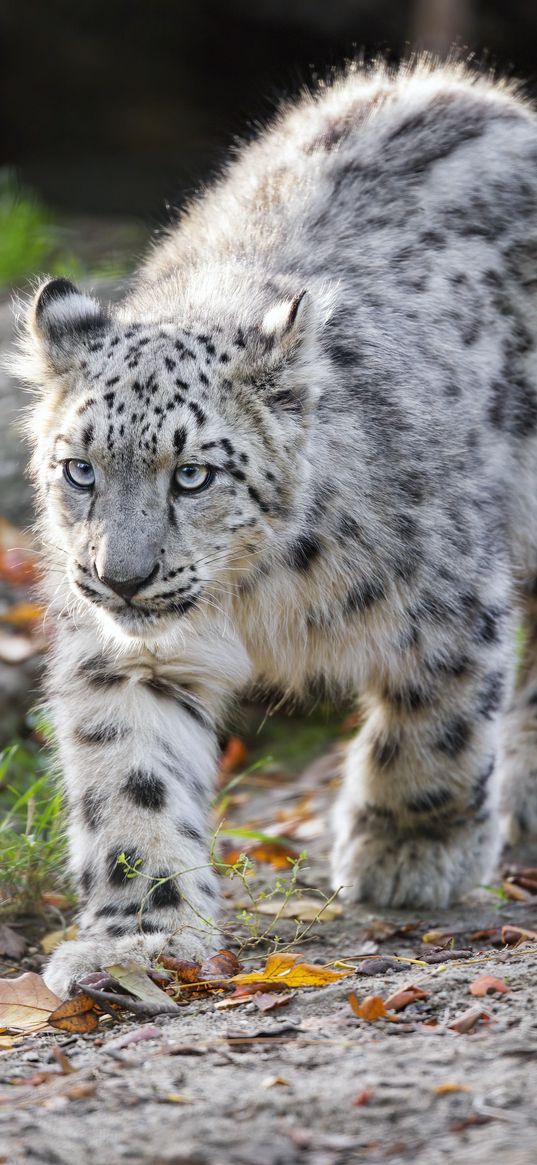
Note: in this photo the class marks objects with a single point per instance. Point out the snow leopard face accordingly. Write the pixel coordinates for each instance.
(169, 458)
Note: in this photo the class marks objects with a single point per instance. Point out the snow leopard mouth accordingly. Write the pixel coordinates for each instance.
(129, 613)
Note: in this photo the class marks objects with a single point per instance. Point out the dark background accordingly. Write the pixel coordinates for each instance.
(114, 107)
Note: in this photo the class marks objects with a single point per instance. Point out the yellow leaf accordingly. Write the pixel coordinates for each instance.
(177, 1098)
(26, 1003)
(372, 1008)
(55, 937)
(445, 1089)
(284, 970)
(7, 1042)
(22, 614)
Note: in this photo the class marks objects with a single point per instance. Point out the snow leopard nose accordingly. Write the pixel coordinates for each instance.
(126, 588)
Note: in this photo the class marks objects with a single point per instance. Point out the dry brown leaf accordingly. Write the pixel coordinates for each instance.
(52, 940)
(511, 935)
(285, 971)
(372, 1007)
(52, 898)
(402, 998)
(234, 756)
(449, 1087)
(222, 965)
(75, 1015)
(363, 1097)
(268, 1000)
(26, 1003)
(468, 1020)
(515, 892)
(80, 1091)
(184, 970)
(487, 985)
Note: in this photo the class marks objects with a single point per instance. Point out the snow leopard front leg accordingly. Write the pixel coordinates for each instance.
(138, 750)
(416, 822)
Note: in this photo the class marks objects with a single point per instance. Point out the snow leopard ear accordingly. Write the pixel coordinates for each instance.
(61, 318)
(289, 322)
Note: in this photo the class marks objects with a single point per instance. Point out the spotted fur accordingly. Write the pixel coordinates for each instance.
(343, 329)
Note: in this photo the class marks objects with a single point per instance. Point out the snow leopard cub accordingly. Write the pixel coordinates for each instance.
(303, 446)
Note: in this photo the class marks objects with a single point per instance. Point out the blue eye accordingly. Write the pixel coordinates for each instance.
(79, 473)
(193, 477)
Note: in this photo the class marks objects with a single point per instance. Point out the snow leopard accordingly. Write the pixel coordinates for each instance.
(302, 449)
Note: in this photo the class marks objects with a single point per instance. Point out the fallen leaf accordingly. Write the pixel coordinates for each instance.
(487, 985)
(62, 1060)
(7, 1042)
(363, 1097)
(372, 1008)
(233, 1001)
(175, 1098)
(185, 971)
(22, 614)
(147, 1032)
(268, 1000)
(516, 892)
(380, 965)
(134, 979)
(52, 898)
(275, 1081)
(26, 1003)
(234, 756)
(75, 1015)
(468, 1020)
(12, 945)
(447, 956)
(285, 970)
(303, 909)
(222, 965)
(511, 935)
(51, 941)
(448, 1087)
(404, 997)
(274, 853)
(80, 1091)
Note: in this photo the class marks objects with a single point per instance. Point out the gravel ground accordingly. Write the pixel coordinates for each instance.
(309, 1083)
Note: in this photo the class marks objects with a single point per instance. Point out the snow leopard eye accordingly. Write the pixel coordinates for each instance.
(193, 477)
(79, 473)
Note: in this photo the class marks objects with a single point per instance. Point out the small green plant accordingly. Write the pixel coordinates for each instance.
(32, 838)
(34, 242)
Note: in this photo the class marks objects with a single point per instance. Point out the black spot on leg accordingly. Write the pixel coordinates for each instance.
(164, 894)
(145, 790)
(116, 930)
(385, 751)
(118, 875)
(480, 789)
(92, 808)
(491, 695)
(184, 829)
(454, 737)
(430, 802)
(103, 734)
(87, 880)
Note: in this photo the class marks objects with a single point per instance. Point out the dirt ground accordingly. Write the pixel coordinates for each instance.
(309, 1083)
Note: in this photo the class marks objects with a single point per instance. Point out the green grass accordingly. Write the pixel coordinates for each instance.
(33, 241)
(32, 838)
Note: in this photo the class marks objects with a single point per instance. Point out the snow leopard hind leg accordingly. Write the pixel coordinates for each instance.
(519, 734)
(416, 821)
